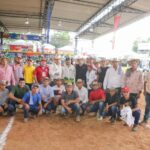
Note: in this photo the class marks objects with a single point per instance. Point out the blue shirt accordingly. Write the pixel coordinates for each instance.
(36, 99)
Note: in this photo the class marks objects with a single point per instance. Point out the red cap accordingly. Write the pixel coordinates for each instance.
(125, 89)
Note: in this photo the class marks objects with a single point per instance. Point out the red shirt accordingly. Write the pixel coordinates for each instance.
(97, 95)
(41, 72)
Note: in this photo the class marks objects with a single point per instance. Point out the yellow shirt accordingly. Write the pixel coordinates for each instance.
(28, 74)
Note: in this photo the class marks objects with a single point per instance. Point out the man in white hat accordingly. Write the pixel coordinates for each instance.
(55, 69)
(81, 69)
(69, 71)
(114, 76)
(133, 78)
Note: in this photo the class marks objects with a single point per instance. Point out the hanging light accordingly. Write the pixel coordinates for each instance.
(60, 23)
(27, 21)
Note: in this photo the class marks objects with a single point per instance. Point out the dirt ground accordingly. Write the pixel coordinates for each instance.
(56, 133)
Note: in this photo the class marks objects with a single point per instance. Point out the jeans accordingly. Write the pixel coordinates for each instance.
(33, 109)
(98, 107)
(51, 106)
(12, 106)
(113, 112)
(75, 108)
(136, 114)
(147, 107)
(83, 107)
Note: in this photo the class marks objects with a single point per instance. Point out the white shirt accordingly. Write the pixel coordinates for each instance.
(69, 72)
(55, 71)
(90, 77)
(60, 89)
(46, 92)
(83, 94)
(113, 78)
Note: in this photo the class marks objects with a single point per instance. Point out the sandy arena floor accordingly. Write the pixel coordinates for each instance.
(56, 133)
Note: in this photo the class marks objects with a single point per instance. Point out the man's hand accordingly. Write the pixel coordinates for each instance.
(69, 110)
(45, 105)
(20, 101)
(40, 112)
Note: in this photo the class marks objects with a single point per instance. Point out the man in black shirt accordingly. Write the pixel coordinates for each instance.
(129, 100)
(81, 70)
(112, 100)
(102, 71)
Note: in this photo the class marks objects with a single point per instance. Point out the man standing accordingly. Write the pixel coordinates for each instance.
(114, 76)
(18, 68)
(55, 69)
(41, 71)
(28, 71)
(81, 70)
(102, 71)
(6, 72)
(134, 79)
(32, 103)
(90, 77)
(70, 101)
(68, 72)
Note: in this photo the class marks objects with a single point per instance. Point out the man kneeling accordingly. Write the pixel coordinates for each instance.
(32, 103)
(70, 102)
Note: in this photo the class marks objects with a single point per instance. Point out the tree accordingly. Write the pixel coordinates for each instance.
(60, 39)
(135, 46)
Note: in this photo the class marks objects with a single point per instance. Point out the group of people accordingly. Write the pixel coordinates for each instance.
(93, 87)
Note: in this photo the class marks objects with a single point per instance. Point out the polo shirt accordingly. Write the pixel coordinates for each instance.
(66, 97)
(112, 99)
(41, 72)
(28, 74)
(36, 99)
(131, 101)
(96, 95)
(19, 92)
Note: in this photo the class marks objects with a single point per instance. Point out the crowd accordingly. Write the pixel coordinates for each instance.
(84, 87)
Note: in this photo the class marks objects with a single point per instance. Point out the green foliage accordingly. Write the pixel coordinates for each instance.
(60, 39)
(135, 46)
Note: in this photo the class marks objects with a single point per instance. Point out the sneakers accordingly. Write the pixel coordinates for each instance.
(78, 119)
(113, 121)
(100, 118)
(25, 120)
(134, 128)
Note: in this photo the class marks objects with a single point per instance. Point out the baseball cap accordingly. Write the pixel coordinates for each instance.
(79, 80)
(3, 82)
(69, 84)
(35, 86)
(19, 55)
(112, 89)
(125, 89)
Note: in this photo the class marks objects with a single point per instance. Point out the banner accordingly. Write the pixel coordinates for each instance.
(116, 25)
(23, 37)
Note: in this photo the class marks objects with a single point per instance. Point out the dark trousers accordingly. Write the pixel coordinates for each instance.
(33, 109)
(113, 112)
(97, 107)
(75, 108)
(147, 107)
(136, 114)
